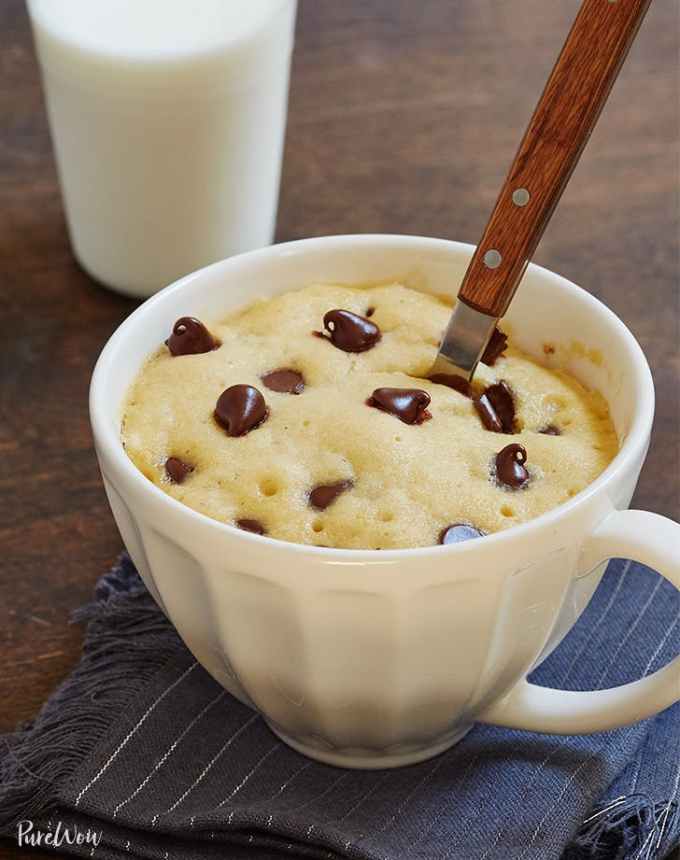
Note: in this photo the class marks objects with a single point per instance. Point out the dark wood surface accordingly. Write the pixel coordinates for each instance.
(404, 117)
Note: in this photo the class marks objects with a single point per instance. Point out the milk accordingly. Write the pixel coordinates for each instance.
(168, 119)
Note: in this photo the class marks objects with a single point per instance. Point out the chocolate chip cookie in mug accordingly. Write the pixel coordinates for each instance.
(306, 417)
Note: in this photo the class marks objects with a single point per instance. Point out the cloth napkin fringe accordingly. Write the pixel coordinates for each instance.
(42, 754)
(627, 828)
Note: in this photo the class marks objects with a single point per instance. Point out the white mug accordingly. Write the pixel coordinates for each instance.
(371, 659)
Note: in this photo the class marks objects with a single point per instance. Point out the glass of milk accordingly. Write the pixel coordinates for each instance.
(168, 119)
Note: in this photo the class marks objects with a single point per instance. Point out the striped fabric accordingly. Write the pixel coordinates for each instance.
(176, 768)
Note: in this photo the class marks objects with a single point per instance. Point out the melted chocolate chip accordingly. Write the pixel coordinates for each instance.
(451, 380)
(284, 380)
(510, 470)
(324, 495)
(550, 430)
(240, 409)
(407, 404)
(350, 332)
(459, 532)
(495, 347)
(177, 469)
(254, 526)
(190, 337)
(488, 414)
(496, 408)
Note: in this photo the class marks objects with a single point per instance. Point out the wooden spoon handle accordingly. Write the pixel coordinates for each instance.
(558, 131)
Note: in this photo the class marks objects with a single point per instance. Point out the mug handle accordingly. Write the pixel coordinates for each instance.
(649, 539)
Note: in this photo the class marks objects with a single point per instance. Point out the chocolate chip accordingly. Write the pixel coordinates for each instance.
(190, 337)
(550, 430)
(495, 347)
(324, 495)
(254, 526)
(284, 380)
(459, 532)
(407, 404)
(370, 312)
(177, 469)
(510, 469)
(349, 332)
(240, 409)
(496, 408)
(451, 380)
(488, 414)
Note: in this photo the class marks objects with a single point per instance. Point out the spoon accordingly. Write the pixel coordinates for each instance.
(558, 131)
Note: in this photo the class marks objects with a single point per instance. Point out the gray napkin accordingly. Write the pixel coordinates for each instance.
(141, 754)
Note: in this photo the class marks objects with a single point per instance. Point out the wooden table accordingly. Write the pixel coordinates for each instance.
(403, 119)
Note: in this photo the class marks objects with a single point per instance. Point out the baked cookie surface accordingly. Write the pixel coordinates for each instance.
(344, 449)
